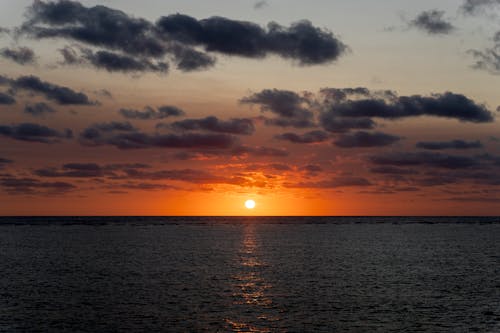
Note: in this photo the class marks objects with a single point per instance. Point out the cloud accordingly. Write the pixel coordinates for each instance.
(391, 106)
(341, 181)
(309, 137)
(34, 133)
(475, 6)
(489, 58)
(260, 4)
(454, 144)
(438, 160)
(4, 161)
(242, 126)
(98, 26)
(114, 62)
(432, 22)
(302, 42)
(60, 94)
(260, 151)
(151, 113)
(89, 170)
(365, 139)
(177, 36)
(6, 99)
(125, 136)
(38, 109)
(290, 108)
(21, 55)
(390, 170)
(14, 185)
(188, 59)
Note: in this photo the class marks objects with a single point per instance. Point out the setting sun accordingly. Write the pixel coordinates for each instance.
(250, 204)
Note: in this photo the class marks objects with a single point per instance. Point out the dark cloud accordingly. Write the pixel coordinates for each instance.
(99, 26)
(6, 99)
(454, 144)
(34, 133)
(90, 170)
(438, 160)
(38, 109)
(4, 31)
(290, 108)
(125, 136)
(390, 170)
(365, 139)
(260, 151)
(475, 6)
(61, 95)
(114, 62)
(242, 126)
(311, 168)
(20, 55)
(447, 105)
(341, 181)
(4, 161)
(146, 186)
(303, 42)
(188, 59)
(309, 137)
(335, 124)
(14, 185)
(151, 113)
(176, 36)
(432, 22)
(489, 58)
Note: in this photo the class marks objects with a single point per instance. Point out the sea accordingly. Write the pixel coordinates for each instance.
(249, 274)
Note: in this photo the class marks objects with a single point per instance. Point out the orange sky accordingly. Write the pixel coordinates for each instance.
(329, 116)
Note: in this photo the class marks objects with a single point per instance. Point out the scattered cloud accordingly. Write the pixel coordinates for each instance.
(308, 137)
(38, 109)
(489, 58)
(20, 55)
(290, 108)
(260, 4)
(454, 144)
(149, 112)
(432, 22)
(363, 139)
(239, 126)
(60, 94)
(34, 133)
(6, 99)
(439, 160)
(477, 6)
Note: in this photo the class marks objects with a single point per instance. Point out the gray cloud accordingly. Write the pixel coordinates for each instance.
(20, 186)
(125, 136)
(308, 137)
(20, 55)
(363, 139)
(38, 109)
(34, 133)
(476, 6)
(6, 99)
(340, 181)
(242, 126)
(177, 36)
(151, 113)
(489, 58)
(290, 108)
(437, 160)
(60, 94)
(454, 144)
(432, 22)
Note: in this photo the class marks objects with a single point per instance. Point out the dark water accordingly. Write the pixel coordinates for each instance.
(249, 274)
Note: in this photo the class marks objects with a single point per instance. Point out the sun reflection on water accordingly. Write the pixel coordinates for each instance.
(251, 290)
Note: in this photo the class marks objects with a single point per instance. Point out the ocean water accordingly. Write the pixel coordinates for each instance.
(216, 274)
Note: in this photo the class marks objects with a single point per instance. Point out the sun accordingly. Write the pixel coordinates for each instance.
(250, 204)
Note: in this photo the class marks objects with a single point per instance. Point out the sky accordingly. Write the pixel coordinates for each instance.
(193, 107)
